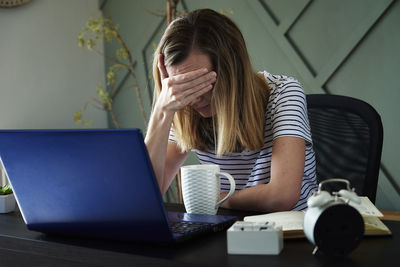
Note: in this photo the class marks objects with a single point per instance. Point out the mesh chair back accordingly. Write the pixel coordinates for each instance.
(347, 139)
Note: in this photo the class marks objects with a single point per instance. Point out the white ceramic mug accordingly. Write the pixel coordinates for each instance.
(201, 188)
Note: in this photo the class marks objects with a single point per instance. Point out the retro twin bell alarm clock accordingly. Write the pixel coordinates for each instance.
(332, 225)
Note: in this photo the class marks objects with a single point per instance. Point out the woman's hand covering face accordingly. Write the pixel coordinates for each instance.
(185, 84)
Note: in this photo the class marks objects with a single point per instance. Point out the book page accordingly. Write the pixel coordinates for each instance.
(288, 220)
(366, 207)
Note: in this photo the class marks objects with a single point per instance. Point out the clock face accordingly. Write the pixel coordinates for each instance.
(12, 3)
(338, 230)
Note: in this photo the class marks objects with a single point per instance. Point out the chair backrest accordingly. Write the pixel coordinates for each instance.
(347, 139)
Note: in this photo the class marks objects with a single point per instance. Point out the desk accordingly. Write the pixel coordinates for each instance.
(21, 247)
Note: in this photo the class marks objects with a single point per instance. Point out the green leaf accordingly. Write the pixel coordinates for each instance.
(78, 117)
(111, 76)
(81, 42)
(122, 53)
(104, 97)
(90, 44)
(109, 33)
(5, 190)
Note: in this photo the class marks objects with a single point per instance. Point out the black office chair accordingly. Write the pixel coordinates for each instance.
(347, 139)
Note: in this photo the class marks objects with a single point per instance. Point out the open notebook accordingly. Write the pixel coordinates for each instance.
(292, 221)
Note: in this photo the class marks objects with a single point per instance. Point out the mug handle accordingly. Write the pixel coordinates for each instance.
(231, 189)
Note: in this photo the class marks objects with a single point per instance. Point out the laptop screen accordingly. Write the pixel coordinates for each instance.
(96, 182)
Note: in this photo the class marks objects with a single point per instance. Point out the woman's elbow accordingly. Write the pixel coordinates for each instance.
(286, 201)
(289, 204)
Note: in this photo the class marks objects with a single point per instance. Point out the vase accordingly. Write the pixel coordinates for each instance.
(7, 203)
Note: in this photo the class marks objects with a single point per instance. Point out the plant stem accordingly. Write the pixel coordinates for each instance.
(171, 10)
(133, 74)
(114, 119)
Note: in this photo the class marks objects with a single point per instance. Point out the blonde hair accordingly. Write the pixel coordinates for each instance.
(239, 95)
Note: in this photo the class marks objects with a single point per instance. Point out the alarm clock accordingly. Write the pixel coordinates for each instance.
(330, 223)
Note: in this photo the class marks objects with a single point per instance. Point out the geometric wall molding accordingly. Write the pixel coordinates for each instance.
(315, 78)
(331, 46)
(283, 24)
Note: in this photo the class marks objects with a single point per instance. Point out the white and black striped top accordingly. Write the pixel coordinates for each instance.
(286, 115)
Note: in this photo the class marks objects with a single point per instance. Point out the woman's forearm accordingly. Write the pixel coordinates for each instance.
(284, 188)
(156, 141)
(262, 198)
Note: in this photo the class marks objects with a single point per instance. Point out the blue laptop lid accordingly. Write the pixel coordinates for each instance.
(85, 182)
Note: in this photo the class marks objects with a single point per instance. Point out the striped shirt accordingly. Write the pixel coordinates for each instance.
(286, 115)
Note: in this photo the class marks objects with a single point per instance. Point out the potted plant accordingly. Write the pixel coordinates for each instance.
(7, 199)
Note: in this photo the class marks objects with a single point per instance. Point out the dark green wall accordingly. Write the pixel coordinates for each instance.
(347, 47)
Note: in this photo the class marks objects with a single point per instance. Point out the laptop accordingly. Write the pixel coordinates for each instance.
(93, 183)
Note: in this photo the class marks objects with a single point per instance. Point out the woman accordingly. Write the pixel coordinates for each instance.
(208, 99)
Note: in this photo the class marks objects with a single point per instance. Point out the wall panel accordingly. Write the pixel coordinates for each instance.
(347, 47)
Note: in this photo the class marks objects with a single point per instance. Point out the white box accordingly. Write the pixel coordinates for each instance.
(254, 238)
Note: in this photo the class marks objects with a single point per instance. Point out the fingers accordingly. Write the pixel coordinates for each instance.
(198, 87)
(190, 76)
(161, 67)
(188, 92)
(177, 99)
(190, 82)
(195, 101)
(181, 78)
(194, 96)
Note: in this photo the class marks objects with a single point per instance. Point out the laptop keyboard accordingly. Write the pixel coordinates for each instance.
(183, 227)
